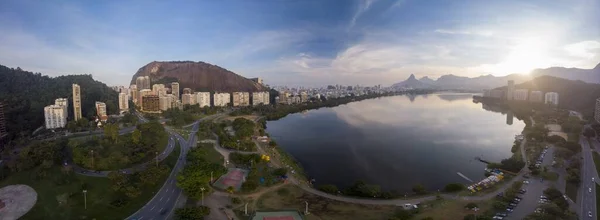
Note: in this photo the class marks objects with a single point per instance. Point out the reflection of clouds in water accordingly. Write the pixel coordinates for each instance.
(386, 110)
(478, 142)
(359, 158)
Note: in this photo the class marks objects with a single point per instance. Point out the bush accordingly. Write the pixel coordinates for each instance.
(454, 187)
(283, 192)
(328, 188)
(419, 189)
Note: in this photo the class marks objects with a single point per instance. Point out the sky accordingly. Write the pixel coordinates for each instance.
(301, 43)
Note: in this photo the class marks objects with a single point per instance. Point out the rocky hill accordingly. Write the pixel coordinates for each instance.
(586, 75)
(412, 83)
(198, 76)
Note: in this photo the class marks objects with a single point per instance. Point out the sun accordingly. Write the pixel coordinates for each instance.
(524, 57)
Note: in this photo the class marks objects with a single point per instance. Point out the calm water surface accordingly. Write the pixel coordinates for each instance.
(398, 142)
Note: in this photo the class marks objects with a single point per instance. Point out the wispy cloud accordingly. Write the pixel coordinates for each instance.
(465, 32)
(363, 6)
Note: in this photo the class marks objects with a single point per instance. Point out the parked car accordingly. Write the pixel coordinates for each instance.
(509, 210)
(590, 190)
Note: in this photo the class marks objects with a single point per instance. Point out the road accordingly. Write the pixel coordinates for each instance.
(535, 189)
(588, 169)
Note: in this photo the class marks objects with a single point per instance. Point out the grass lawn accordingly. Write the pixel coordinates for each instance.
(450, 209)
(290, 197)
(571, 191)
(211, 154)
(597, 161)
(70, 185)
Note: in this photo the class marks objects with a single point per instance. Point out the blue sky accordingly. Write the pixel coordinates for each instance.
(305, 43)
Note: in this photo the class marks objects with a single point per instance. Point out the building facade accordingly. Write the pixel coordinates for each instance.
(187, 91)
(257, 80)
(241, 99)
(551, 98)
(203, 99)
(260, 98)
(303, 97)
(76, 102)
(520, 94)
(175, 90)
(188, 99)
(101, 111)
(165, 102)
(141, 94)
(510, 89)
(221, 99)
(536, 96)
(151, 104)
(133, 93)
(123, 102)
(157, 89)
(55, 116)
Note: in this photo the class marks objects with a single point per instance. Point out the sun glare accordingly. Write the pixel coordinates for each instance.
(523, 58)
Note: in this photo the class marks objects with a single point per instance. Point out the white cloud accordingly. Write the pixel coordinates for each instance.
(363, 6)
(584, 49)
(485, 33)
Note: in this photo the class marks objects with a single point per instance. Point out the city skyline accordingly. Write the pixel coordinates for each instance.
(302, 43)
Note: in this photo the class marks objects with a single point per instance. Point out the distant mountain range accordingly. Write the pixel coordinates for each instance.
(489, 82)
(199, 76)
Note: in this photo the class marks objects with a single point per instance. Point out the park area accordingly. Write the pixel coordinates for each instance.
(232, 180)
(113, 151)
(60, 190)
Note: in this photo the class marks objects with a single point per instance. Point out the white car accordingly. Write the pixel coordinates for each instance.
(589, 214)
(590, 190)
(525, 182)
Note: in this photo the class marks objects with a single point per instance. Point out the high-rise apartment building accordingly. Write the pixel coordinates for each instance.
(260, 98)
(520, 94)
(165, 102)
(596, 113)
(141, 94)
(76, 102)
(187, 91)
(187, 99)
(175, 90)
(101, 111)
(151, 103)
(2, 122)
(510, 90)
(133, 93)
(123, 102)
(55, 116)
(257, 80)
(63, 102)
(139, 82)
(146, 82)
(303, 97)
(241, 99)
(221, 99)
(203, 99)
(158, 89)
(536, 96)
(551, 98)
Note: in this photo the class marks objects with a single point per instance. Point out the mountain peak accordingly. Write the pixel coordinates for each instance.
(412, 76)
(597, 67)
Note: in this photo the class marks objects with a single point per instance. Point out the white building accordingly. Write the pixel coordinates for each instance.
(221, 99)
(551, 98)
(55, 116)
(260, 98)
(133, 93)
(188, 99)
(101, 109)
(123, 102)
(158, 89)
(520, 94)
(536, 96)
(142, 93)
(241, 99)
(175, 90)
(165, 102)
(203, 99)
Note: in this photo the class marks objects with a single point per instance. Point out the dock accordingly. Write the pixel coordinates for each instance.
(482, 160)
(463, 176)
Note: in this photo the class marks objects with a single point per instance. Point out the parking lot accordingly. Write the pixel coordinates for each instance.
(532, 191)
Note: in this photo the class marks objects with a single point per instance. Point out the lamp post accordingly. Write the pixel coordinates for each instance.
(246, 209)
(202, 191)
(85, 199)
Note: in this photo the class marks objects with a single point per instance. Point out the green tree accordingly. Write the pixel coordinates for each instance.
(589, 132)
(419, 189)
(454, 187)
(328, 188)
(132, 191)
(136, 136)
(471, 205)
(191, 213)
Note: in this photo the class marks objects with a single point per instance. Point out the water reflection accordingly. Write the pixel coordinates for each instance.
(397, 142)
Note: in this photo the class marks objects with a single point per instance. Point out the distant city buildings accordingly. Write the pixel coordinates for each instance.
(142, 82)
(596, 113)
(536, 96)
(166, 102)
(133, 93)
(187, 91)
(551, 98)
(520, 94)
(241, 99)
(510, 89)
(76, 102)
(221, 99)
(260, 98)
(56, 115)
(203, 99)
(151, 104)
(123, 102)
(159, 89)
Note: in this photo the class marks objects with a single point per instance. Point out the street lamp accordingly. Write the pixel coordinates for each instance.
(202, 190)
(85, 199)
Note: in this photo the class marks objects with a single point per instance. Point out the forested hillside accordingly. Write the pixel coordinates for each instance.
(25, 94)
